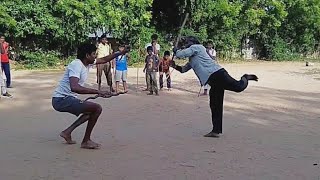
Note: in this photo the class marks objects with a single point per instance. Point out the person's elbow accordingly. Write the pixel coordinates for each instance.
(75, 88)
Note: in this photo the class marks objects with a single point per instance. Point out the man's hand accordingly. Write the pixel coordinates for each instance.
(175, 49)
(172, 63)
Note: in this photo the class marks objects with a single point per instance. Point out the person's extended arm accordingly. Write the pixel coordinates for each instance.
(76, 88)
(184, 53)
(112, 56)
(181, 69)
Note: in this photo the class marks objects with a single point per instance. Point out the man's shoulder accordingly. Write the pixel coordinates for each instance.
(75, 63)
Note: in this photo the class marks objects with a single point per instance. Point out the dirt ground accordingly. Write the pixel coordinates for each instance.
(270, 131)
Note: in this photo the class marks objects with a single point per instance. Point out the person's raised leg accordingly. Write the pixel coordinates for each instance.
(216, 105)
(237, 86)
(66, 134)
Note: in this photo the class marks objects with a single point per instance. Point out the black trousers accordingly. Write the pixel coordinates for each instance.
(219, 82)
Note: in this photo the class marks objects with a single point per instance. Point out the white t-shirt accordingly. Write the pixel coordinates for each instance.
(212, 52)
(75, 69)
(157, 46)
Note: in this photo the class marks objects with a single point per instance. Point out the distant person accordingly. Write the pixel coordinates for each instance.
(155, 50)
(5, 60)
(164, 68)
(104, 49)
(121, 70)
(151, 68)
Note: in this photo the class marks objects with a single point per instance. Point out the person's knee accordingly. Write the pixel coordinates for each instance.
(98, 109)
(93, 108)
(239, 89)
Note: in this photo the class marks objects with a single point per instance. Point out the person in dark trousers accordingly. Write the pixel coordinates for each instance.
(209, 72)
(164, 69)
(5, 60)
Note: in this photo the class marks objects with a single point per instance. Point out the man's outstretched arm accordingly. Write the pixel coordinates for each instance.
(181, 69)
(110, 57)
(75, 87)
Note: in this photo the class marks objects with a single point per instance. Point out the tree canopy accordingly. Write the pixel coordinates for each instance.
(279, 29)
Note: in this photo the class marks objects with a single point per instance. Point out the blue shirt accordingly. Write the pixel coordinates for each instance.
(121, 64)
(199, 61)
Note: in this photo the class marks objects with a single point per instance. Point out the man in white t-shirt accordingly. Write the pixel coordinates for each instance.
(65, 99)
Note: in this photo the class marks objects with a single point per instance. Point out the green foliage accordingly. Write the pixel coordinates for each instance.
(40, 59)
(280, 29)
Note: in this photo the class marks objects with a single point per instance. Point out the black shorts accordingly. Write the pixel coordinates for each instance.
(68, 104)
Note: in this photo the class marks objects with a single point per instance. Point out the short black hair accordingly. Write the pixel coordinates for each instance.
(103, 36)
(84, 49)
(149, 48)
(166, 53)
(210, 42)
(193, 39)
(154, 37)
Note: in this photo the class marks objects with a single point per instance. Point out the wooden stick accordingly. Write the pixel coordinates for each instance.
(137, 79)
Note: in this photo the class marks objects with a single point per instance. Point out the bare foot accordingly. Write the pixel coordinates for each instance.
(90, 145)
(67, 137)
(212, 134)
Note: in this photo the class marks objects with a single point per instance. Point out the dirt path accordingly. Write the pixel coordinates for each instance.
(271, 131)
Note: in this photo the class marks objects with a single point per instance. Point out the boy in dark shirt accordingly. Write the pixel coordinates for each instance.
(151, 67)
(164, 68)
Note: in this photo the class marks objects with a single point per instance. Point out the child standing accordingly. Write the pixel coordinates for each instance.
(212, 53)
(164, 68)
(3, 88)
(151, 68)
(121, 70)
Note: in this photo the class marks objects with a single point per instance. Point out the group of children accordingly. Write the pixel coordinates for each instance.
(154, 65)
